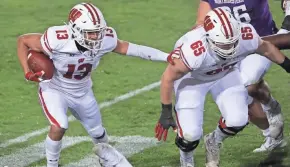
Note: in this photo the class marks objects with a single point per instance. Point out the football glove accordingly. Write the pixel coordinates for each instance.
(36, 77)
(165, 121)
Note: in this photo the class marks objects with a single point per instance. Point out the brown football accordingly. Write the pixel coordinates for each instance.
(38, 61)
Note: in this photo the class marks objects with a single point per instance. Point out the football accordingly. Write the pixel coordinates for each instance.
(38, 61)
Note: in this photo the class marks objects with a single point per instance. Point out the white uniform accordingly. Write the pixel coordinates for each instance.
(253, 68)
(210, 73)
(71, 84)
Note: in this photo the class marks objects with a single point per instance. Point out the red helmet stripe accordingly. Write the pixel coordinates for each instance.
(228, 22)
(95, 11)
(223, 23)
(91, 13)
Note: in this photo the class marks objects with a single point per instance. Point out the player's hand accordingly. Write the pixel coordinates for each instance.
(165, 121)
(36, 77)
(283, 4)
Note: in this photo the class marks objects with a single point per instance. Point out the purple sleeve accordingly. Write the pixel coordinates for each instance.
(205, 0)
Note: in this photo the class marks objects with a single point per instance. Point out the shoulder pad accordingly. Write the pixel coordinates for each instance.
(110, 40)
(192, 49)
(54, 38)
(249, 39)
(193, 54)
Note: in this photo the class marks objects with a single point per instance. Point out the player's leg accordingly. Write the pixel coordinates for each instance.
(251, 73)
(87, 111)
(273, 134)
(252, 69)
(231, 97)
(270, 106)
(258, 117)
(190, 97)
(54, 106)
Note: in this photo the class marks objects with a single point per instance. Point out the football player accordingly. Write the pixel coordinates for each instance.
(76, 49)
(253, 68)
(203, 62)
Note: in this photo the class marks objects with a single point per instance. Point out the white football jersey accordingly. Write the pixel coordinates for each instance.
(204, 64)
(72, 74)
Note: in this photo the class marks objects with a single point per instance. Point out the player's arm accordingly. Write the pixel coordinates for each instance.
(175, 70)
(24, 43)
(203, 9)
(274, 54)
(145, 52)
(281, 41)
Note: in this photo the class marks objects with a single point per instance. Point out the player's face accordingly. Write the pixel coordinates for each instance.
(226, 46)
(224, 50)
(92, 35)
(93, 38)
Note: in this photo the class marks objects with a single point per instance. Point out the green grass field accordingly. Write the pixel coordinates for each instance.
(154, 23)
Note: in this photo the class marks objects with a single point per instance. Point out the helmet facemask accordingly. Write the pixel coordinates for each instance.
(90, 39)
(224, 49)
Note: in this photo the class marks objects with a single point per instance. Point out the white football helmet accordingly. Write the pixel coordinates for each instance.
(88, 25)
(222, 32)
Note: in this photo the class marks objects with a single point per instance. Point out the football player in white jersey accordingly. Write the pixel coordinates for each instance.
(205, 62)
(76, 49)
(267, 117)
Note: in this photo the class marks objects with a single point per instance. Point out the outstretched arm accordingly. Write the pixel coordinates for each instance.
(281, 41)
(268, 50)
(145, 52)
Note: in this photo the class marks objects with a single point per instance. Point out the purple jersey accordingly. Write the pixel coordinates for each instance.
(255, 12)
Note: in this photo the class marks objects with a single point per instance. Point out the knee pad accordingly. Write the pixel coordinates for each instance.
(236, 120)
(231, 131)
(185, 145)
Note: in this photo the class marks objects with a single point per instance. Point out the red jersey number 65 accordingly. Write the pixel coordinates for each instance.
(197, 48)
(247, 33)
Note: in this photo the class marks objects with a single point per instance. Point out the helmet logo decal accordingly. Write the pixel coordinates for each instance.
(74, 14)
(208, 25)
